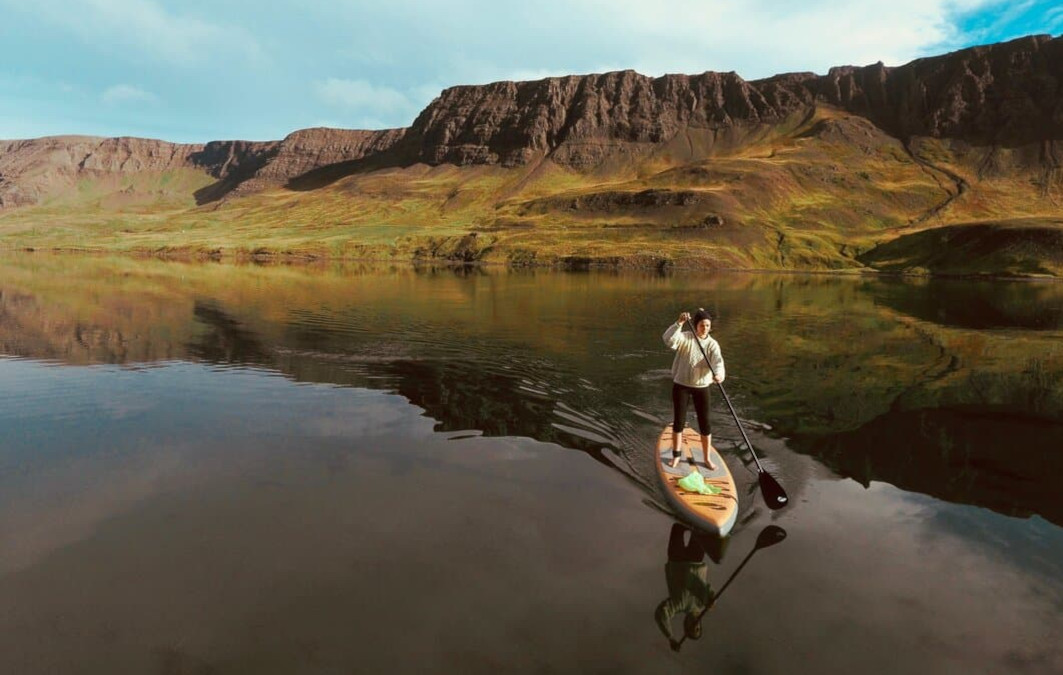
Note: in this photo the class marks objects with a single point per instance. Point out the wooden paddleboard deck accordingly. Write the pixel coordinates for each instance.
(715, 514)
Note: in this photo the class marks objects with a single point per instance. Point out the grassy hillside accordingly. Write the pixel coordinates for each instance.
(832, 192)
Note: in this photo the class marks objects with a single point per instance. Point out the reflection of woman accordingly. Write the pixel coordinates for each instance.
(689, 591)
(691, 378)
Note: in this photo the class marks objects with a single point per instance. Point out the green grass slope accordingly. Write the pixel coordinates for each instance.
(830, 192)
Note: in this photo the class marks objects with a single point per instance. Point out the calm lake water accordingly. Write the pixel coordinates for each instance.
(211, 468)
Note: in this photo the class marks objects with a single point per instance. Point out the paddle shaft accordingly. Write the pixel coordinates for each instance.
(729, 580)
(730, 407)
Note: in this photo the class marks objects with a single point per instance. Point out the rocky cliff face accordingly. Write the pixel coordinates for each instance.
(32, 169)
(1009, 94)
(578, 120)
(308, 149)
(1003, 95)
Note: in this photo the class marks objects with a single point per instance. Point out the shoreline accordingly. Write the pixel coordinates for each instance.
(660, 265)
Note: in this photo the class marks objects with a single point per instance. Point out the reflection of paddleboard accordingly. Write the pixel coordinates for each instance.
(713, 513)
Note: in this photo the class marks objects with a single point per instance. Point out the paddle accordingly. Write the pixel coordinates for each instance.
(774, 496)
(769, 536)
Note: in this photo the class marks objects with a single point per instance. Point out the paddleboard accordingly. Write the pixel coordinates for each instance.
(714, 514)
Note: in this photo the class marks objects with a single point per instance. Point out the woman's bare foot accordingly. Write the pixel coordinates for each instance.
(708, 459)
(676, 456)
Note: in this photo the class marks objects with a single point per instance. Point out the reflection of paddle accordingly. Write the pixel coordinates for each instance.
(769, 536)
(774, 496)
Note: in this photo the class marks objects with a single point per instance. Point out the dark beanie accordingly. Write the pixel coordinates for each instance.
(700, 316)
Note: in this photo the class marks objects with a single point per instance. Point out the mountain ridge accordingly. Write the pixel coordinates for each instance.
(985, 112)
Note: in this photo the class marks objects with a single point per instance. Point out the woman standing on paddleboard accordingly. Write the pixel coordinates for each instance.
(691, 378)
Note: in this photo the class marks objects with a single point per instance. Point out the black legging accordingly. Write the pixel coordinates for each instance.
(680, 393)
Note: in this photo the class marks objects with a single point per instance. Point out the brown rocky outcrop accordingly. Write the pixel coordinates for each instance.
(578, 120)
(308, 149)
(1009, 93)
(612, 201)
(30, 170)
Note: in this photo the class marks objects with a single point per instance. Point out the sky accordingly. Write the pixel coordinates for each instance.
(192, 71)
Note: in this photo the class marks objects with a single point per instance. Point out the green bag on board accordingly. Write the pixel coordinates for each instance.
(695, 482)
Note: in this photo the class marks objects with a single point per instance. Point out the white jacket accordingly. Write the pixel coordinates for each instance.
(689, 367)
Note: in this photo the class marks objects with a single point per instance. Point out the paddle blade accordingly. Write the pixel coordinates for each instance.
(769, 536)
(774, 496)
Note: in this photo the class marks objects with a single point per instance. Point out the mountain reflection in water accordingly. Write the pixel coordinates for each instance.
(949, 388)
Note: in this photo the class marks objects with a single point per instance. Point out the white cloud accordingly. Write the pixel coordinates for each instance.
(370, 106)
(759, 38)
(125, 93)
(1054, 18)
(362, 96)
(327, 123)
(524, 75)
(148, 28)
(997, 25)
(756, 38)
(424, 94)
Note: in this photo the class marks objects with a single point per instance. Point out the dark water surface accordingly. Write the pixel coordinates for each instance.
(241, 469)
